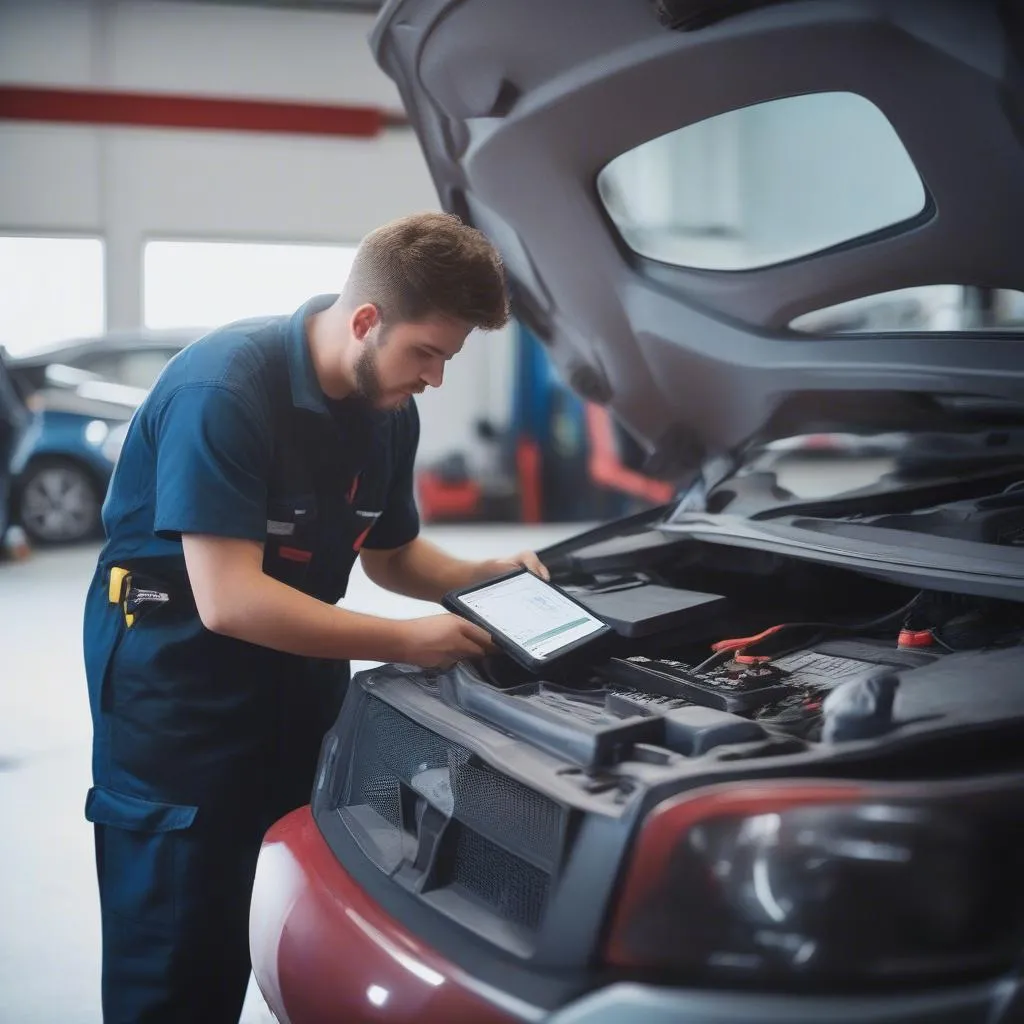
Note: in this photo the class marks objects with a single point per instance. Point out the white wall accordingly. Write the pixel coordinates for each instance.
(128, 185)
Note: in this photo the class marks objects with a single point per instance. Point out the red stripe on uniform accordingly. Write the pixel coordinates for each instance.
(353, 489)
(295, 554)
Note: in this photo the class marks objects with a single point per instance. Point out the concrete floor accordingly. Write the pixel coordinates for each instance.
(49, 931)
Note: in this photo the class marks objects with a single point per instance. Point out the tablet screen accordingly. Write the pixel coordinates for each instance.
(533, 615)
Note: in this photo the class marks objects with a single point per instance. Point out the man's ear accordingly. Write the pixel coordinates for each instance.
(363, 320)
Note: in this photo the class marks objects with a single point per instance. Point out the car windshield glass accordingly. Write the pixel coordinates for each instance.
(763, 185)
(836, 465)
(927, 308)
(813, 466)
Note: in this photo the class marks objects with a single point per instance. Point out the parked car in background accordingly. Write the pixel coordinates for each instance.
(82, 395)
(131, 358)
(14, 417)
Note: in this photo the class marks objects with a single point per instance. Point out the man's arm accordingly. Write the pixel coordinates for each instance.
(422, 570)
(213, 459)
(235, 598)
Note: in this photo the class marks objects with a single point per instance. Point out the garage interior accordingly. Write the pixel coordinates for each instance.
(170, 166)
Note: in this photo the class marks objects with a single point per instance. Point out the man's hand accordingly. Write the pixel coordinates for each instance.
(499, 566)
(422, 570)
(439, 641)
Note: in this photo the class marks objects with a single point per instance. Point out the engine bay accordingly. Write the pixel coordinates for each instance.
(508, 801)
(756, 656)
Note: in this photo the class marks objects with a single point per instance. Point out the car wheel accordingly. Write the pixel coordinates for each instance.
(59, 503)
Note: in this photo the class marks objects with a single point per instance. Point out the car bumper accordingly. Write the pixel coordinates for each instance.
(324, 951)
(982, 1004)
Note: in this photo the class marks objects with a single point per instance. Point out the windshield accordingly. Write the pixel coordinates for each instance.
(828, 465)
(862, 473)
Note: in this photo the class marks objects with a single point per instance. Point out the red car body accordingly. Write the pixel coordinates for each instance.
(324, 951)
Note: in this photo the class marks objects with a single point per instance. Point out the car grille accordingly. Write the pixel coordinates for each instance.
(509, 885)
(389, 751)
(501, 839)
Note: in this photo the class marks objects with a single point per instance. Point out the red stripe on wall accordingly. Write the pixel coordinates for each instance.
(161, 110)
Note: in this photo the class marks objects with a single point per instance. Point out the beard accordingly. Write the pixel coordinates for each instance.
(368, 386)
(369, 389)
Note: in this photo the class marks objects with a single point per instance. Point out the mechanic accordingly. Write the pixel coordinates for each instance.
(268, 456)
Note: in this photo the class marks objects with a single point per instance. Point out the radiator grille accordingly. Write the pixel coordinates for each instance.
(504, 829)
(501, 806)
(509, 885)
(388, 746)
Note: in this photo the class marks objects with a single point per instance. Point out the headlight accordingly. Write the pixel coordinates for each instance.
(829, 882)
(115, 442)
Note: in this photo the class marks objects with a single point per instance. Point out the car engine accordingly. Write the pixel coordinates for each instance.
(507, 805)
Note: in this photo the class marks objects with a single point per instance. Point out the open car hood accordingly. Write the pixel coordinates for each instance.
(519, 107)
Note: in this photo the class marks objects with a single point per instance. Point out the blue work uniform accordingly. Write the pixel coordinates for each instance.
(201, 741)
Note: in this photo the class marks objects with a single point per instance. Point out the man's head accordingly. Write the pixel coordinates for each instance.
(418, 286)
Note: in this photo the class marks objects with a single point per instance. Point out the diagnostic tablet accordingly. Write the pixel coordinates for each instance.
(532, 621)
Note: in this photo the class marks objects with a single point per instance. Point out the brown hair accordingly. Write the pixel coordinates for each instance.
(429, 264)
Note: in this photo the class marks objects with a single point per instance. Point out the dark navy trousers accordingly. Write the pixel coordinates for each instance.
(184, 791)
(175, 907)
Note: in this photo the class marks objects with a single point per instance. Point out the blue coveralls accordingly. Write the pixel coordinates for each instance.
(201, 741)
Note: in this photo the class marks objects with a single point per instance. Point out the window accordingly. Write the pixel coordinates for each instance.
(928, 308)
(763, 185)
(205, 284)
(51, 290)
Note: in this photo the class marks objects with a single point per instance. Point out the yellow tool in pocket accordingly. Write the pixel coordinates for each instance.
(137, 593)
(117, 592)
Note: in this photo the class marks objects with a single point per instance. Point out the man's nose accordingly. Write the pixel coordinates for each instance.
(434, 376)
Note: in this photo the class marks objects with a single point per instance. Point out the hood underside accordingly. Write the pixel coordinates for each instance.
(521, 107)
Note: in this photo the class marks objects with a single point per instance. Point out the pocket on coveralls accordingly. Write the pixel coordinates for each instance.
(137, 856)
(288, 549)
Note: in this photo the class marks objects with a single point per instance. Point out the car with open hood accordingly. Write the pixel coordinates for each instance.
(791, 788)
